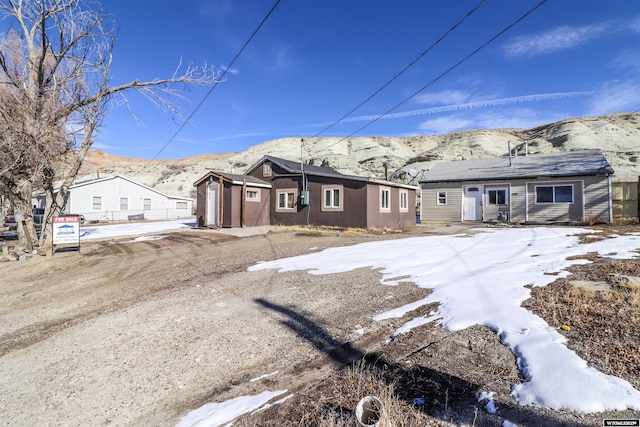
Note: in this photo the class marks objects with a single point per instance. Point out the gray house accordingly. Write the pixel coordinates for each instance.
(554, 187)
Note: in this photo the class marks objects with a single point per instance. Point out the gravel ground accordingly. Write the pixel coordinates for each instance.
(141, 333)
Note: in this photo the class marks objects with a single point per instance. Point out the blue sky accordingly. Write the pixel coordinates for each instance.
(314, 61)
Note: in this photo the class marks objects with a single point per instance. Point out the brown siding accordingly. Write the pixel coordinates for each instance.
(257, 213)
(201, 204)
(358, 210)
(392, 217)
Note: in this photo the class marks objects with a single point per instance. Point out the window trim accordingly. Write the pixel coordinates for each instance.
(553, 194)
(252, 199)
(181, 204)
(93, 203)
(385, 201)
(441, 198)
(496, 189)
(287, 191)
(403, 202)
(340, 202)
(266, 170)
(126, 203)
(144, 204)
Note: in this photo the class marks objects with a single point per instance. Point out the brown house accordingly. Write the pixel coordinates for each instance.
(231, 200)
(304, 194)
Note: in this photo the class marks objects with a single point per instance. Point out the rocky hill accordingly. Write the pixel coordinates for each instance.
(617, 135)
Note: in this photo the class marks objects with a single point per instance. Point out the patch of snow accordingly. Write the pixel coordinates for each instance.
(261, 377)
(216, 414)
(490, 406)
(132, 229)
(483, 279)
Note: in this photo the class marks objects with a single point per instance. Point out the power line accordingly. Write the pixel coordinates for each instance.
(412, 63)
(224, 72)
(450, 69)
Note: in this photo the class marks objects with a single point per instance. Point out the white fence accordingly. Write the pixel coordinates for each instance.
(129, 215)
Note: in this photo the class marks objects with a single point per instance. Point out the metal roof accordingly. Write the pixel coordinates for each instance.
(567, 163)
(235, 179)
(294, 168)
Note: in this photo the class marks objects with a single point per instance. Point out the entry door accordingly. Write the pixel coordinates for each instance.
(212, 206)
(472, 204)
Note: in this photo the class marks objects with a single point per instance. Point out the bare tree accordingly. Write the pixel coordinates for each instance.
(55, 66)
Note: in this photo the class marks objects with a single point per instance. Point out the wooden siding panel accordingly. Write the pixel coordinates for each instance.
(555, 212)
(391, 218)
(431, 211)
(597, 202)
(518, 200)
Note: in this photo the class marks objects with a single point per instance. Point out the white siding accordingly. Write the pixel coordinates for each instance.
(112, 190)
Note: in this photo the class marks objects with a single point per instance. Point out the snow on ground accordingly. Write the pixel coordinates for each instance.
(215, 414)
(131, 229)
(482, 280)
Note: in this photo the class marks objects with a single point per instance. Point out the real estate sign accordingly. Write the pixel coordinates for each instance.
(66, 230)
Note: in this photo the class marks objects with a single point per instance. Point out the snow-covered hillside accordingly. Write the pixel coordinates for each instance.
(617, 135)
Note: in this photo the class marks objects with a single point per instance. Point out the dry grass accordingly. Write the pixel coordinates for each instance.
(604, 326)
(331, 403)
(450, 368)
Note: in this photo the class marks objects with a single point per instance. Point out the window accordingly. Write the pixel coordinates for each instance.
(385, 199)
(332, 197)
(286, 200)
(96, 203)
(497, 197)
(146, 204)
(554, 194)
(124, 203)
(404, 201)
(253, 195)
(266, 169)
(442, 198)
(182, 205)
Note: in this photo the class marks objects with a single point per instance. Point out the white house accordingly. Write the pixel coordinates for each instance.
(116, 198)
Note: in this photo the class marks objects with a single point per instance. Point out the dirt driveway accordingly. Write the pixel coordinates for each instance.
(142, 332)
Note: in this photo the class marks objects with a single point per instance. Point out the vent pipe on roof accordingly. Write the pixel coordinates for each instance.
(509, 145)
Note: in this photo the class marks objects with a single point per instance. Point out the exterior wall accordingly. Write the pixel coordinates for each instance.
(201, 204)
(359, 207)
(257, 212)
(590, 200)
(597, 200)
(393, 217)
(111, 190)
(432, 211)
(555, 212)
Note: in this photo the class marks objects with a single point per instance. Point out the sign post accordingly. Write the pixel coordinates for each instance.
(66, 231)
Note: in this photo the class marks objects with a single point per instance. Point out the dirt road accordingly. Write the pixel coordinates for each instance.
(141, 333)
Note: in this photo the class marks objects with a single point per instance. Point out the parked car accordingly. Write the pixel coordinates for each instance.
(10, 221)
(38, 218)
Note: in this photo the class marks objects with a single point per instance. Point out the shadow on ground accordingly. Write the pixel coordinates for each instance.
(440, 395)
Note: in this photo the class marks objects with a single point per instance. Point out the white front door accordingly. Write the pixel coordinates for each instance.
(472, 203)
(212, 206)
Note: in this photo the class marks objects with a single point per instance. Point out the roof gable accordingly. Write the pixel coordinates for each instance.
(296, 168)
(234, 179)
(568, 163)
